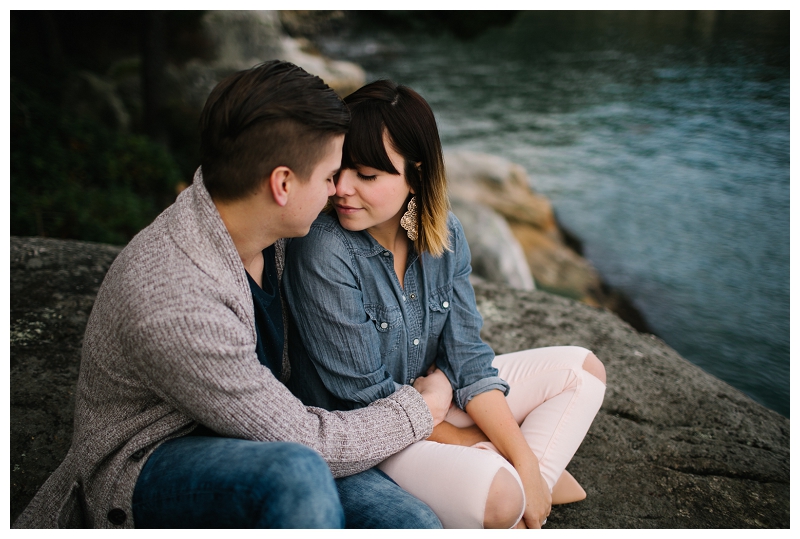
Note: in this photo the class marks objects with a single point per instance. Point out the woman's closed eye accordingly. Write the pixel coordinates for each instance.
(365, 177)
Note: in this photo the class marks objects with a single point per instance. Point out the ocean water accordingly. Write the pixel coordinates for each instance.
(662, 140)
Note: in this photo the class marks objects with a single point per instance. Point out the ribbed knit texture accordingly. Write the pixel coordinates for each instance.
(171, 343)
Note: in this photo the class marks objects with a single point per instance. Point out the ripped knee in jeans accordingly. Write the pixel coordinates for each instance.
(505, 503)
(595, 367)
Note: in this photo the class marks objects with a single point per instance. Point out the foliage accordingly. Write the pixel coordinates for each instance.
(71, 178)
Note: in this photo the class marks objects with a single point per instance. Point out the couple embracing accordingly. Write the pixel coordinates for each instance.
(252, 362)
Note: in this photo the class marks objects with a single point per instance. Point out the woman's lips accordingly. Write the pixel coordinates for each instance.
(341, 208)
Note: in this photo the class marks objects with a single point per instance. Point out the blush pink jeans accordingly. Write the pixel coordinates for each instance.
(554, 401)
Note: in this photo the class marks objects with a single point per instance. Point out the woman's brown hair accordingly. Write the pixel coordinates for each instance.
(383, 106)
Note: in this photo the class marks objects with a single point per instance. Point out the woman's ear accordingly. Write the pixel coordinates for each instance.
(418, 166)
(279, 181)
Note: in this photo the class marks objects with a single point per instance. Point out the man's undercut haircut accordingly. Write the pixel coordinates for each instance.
(386, 107)
(274, 114)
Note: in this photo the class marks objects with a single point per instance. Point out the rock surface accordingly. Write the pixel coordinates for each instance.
(233, 40)
(556, 266)
(242, 39)
(497, 256)
(672, 446)
(504, 187)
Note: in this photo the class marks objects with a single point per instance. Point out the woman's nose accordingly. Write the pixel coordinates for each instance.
(344, 184)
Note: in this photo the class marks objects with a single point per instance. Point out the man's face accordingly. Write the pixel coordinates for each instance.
(310, 196)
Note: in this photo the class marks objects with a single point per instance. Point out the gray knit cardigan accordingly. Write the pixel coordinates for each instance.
(171, 343)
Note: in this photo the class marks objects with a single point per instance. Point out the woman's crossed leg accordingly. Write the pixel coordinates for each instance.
(555, 394)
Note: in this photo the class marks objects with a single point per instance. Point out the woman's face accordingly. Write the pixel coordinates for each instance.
(370, 199)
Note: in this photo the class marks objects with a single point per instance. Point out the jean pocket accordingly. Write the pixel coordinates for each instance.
(388, 321)
(439, 306)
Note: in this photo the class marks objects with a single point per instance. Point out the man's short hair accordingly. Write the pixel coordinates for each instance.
(274, 114)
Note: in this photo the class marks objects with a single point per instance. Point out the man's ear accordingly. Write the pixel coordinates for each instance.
(278, 184)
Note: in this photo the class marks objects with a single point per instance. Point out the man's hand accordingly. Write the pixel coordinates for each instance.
(437, 392)
(445, 433)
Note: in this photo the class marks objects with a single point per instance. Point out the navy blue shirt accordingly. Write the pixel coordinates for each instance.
(269, 314)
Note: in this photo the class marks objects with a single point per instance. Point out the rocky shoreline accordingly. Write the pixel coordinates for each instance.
(512, 230)
(672, 446)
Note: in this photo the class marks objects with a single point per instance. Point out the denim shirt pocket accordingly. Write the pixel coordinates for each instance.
(439, 305)
(388, 322)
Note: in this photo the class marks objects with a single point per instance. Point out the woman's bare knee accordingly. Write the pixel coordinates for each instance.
(505, 502)
(595, 367)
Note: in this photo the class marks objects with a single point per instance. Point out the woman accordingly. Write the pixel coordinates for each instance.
(379, 293)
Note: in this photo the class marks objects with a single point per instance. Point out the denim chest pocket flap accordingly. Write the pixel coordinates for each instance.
(440, 303)
(387, 321)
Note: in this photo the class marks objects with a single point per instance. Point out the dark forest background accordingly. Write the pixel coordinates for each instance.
(97, 148)
(101, 139)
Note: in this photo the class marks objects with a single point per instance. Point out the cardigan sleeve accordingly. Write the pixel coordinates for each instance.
(195, 351)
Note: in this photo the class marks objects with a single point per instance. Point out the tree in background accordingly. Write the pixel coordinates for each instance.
(96, 150)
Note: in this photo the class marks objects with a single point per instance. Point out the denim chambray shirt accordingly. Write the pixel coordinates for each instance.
(355, 335)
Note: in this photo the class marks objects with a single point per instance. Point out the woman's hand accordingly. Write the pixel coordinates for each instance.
(490, 412)
(437, 392)
(538, 500)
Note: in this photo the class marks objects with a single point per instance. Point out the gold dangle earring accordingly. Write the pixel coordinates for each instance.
(409, 220)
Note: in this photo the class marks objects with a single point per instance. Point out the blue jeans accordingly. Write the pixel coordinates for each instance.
(216, 482)
(199, 481)
(371, 500)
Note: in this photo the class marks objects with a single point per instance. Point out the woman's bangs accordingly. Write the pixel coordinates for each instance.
(363, 144)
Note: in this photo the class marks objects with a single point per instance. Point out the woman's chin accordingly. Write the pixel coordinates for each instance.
(348, 224)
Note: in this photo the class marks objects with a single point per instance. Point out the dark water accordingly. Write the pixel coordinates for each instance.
(662, 140)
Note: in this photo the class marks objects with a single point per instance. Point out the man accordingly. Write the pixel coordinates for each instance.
(180, 420)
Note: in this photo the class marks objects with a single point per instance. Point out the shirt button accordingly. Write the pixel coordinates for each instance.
(137, 456)
(117, 516)
(416, 342)
(446, 304)
(384, 325)
(413, 296)
(386, 253)
(410, 381)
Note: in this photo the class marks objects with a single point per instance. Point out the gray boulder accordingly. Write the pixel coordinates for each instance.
(672, 446)
(53, 286)
(503, 186)
(497, 256)
(242, 39)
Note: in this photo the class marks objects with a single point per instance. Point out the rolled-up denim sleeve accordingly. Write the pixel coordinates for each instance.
(462, 355)
(326, 303)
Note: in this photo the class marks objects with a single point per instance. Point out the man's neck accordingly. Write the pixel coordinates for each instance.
(249, 226)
